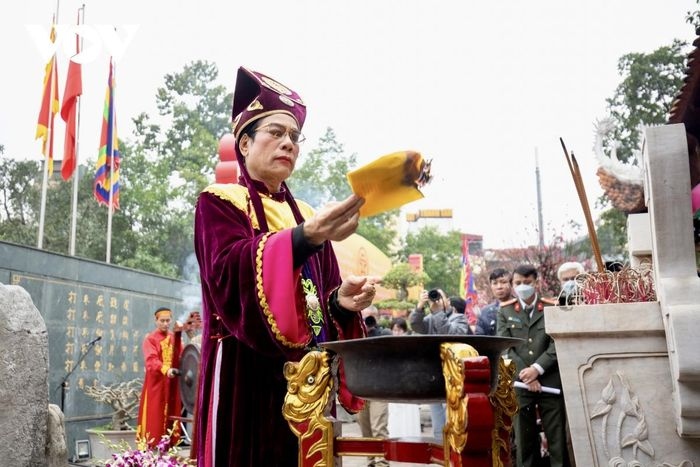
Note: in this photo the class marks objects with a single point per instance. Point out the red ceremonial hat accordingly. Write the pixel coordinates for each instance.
(257, 96)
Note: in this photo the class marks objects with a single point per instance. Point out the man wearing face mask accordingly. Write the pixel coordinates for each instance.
(536, 365)
(567, 274)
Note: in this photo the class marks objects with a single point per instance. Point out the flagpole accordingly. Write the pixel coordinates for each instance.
(44, 184)
(49, 136)
(110, 207)
(76, 173)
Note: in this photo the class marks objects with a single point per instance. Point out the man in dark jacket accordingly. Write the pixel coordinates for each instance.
(499, 281)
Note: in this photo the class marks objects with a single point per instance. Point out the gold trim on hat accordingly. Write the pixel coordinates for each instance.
(275, 86)
(280, 89)
(255, 105)
(286, 100)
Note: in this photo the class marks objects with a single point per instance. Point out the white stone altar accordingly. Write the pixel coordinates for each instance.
(631, 371)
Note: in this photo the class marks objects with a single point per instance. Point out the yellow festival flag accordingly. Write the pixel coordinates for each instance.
(49, 107)
(390, 181)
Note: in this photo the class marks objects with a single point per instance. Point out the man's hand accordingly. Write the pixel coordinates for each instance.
(423, 299)
(357, 292)
(529, 376)
(335, 221)
(173, 372)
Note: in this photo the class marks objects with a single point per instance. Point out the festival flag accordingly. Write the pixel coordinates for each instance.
(69, 110)
(467, 288)
(49, 106)
(108, 159)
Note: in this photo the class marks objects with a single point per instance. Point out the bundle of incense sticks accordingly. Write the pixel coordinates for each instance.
(581, 191)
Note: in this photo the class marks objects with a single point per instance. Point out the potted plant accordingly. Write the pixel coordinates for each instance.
(117, 444)
(165, 453)
(123, 398)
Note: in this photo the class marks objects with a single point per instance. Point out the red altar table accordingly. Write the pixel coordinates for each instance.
(476, 432)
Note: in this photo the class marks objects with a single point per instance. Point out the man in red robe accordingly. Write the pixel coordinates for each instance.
(160, 398)
(271, 287)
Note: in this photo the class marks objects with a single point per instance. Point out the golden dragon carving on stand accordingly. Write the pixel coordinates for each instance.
(505, 407)
(307, 405)
(454, 432)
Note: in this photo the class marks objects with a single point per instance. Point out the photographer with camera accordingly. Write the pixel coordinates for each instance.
(442, 317)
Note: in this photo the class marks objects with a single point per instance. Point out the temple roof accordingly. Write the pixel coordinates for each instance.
(684, 108)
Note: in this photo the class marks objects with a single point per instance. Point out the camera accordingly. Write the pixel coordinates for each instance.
(434, 295)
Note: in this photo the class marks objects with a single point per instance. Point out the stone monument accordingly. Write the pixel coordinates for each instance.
(24, 390)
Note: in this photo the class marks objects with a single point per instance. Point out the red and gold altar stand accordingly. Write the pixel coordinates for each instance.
(478, 423)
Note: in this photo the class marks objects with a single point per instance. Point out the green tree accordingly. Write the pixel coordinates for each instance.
(19, 199)
(381, 230)
(401, 277)
(20, 184)
(612, 233)
(167, 165)
(91, 220)
(693, 17)
(200, 114)
(649, 85)
(442, 256)
(320, 178)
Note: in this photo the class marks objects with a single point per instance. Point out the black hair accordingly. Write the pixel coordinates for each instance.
(498, 273)
(459, 304)
(526, 270)
(250, 129)
(370, 321)
(163, 308)
(400, 322)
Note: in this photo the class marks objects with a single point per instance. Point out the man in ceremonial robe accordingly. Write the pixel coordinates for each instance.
(160, 398)
(271, 287)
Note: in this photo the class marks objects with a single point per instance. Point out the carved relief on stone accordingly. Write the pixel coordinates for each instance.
(622, 427)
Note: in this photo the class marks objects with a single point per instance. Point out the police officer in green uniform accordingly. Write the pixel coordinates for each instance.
(536, 365)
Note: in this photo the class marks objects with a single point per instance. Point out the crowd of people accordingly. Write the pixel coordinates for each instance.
(540, 430)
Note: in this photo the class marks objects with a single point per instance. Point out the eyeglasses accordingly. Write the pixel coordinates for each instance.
(279, 131)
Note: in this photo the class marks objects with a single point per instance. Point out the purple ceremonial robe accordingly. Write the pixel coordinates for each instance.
(254, 320)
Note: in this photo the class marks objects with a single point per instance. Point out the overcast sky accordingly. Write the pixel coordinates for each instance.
(479, 87)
